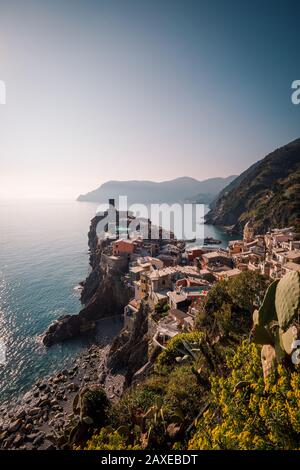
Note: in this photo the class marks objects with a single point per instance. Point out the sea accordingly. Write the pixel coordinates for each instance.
(43, 257)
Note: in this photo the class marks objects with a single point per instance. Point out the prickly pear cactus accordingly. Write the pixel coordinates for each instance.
(288, 337)
(267, 311)
(276, 323)
(287, 299)
(255, 317)
(262, 335)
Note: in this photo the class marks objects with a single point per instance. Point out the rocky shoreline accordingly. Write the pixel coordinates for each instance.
(38, 419)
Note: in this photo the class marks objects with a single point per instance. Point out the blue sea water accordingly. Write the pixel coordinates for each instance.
(43, 257)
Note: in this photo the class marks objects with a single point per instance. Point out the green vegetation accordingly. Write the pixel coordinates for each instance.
(267, 193)
(276, 323)
(161, 311)
(109, 439)
(92, 408)
(182, 347)
(207, 390)
(230, 304)
(245, 413)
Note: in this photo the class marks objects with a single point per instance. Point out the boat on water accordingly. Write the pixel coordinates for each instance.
(211, 241)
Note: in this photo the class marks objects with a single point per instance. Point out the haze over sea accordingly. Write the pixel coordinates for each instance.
(43, 257)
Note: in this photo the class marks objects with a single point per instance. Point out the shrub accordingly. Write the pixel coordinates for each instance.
(183, 395)
(246, 415)
(110, 439)
(137, 401)
(230, 303)
(247, 290)
(95, 405)
(177, 347)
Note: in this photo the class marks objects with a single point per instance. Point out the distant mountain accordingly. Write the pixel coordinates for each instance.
(146, 192)
(268, 193)
(233, 184)
(210, 189)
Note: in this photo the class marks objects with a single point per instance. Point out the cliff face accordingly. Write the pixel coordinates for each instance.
(129, 351)
(268, 193)
(104, 294)
(133, 352)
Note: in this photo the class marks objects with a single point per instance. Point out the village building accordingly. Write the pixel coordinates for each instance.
(184, 321)
(248, 233)
(130, 312)
(178, 300)
(193, 253)
(216, 261)
(136, 271)
(175, 283)
(236, 246)
(122, 247)
(206, 275)
(294, 245)
(183, 297)
(229, 274)
(277, 237)
(155, 262)
(161, 279)
(289, 267)
(167, 260)
(292, 256)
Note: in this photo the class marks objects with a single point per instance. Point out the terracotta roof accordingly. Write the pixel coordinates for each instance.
(123, 240)
(293, 254)
(230, 272)
(292, 266)
(136, 269)
(134, 303)
(215, 254)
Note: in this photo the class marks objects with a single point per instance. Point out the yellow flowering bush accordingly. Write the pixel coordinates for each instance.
(245, 413)
(109, 439)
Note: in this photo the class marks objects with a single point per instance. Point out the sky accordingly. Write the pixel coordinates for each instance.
(142, 89)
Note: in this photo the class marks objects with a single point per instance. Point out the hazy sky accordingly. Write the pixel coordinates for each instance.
(142, 89)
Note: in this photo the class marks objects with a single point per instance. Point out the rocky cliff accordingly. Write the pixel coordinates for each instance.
(133, 352)
(268, 193)
(104, 294)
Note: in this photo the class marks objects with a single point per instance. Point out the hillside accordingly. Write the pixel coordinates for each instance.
(146, 192)
(268, 193)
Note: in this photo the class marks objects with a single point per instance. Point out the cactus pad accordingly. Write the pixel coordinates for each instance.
(287, 338)
(255, 317)
(287, 298)
(262, 336)
(267, 311)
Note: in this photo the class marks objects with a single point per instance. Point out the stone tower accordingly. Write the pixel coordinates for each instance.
(248, 234)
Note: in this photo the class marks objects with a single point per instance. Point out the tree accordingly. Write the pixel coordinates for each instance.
(247, 290)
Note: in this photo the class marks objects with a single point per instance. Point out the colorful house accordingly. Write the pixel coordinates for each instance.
(122, 247)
